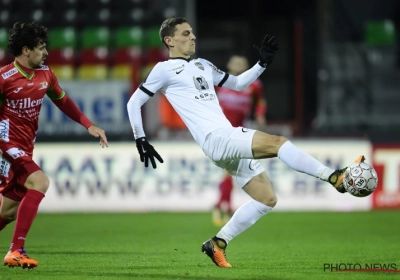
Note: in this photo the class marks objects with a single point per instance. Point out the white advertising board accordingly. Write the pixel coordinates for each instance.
(84, 177)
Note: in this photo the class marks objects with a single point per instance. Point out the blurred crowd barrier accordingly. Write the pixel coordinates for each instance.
(99, 53)
(359, 70)
(93, 39)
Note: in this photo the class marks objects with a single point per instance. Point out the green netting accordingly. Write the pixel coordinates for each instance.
(95, 37)
(380, 33)
(128, 36)
(62, 37)
(153, 37)
(3, 38)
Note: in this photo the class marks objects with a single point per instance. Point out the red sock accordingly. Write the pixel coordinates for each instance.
(4, 222)
(26, 214)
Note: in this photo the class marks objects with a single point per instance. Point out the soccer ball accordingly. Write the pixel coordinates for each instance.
(360, 179)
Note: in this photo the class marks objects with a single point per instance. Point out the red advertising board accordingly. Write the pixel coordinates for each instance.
(386, 161)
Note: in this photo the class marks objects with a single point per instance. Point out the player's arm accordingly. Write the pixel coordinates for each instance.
(245, 79)
(266, 54)
(238, 83)
(68, 107)
(134, 107)
(150, 85)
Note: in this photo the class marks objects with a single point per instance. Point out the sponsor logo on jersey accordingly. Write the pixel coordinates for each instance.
(206, 97)
(244, 130)
(44, 85)
(9, 73)
(16, 153)
(198, 64)
(30, 84)
(24, 103)
(18, 89)
(177, 72)
(200, 83)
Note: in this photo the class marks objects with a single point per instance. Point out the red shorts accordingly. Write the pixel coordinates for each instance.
(15, 167)
(15, 189)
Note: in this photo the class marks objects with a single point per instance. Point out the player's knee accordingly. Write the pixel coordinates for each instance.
(281, 140)
(270, 201)
(40, 184)
(43, 185)
(9, 215)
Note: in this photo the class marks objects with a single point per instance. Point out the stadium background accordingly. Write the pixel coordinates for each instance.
(333, 89)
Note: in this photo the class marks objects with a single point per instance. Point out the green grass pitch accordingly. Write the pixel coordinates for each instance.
(166, 246)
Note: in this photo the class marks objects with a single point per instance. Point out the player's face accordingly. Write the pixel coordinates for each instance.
(37, 56)
(182, 44)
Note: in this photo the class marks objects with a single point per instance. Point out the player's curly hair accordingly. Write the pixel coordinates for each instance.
(26, 35)
(168, 27)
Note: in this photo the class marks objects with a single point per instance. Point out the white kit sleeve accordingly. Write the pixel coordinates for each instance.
(134, 106)
(154, 81)
(245, 79)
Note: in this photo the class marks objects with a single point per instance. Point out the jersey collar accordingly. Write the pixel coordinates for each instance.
(186, 59)
(24, 70)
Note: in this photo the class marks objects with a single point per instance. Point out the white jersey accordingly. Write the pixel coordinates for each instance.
(189, 87)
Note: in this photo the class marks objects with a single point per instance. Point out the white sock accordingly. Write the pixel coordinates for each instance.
(303, 162)
(244, 217)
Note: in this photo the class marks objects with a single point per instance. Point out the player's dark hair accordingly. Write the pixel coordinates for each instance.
(28, 35)
(168, 27)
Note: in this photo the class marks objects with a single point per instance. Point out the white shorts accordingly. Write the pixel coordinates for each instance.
(230, 149)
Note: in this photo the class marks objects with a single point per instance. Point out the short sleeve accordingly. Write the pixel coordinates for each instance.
(155, 80)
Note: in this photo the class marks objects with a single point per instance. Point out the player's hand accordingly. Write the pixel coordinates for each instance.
(146, 152)
(267, 50)
(98, 132)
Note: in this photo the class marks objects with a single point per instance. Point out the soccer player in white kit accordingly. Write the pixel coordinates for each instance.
(188, 84)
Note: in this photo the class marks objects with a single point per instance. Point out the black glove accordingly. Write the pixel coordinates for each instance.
(146, 152)
(267, 51)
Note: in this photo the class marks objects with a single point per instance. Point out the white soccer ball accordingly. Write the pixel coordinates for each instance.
(360, 179)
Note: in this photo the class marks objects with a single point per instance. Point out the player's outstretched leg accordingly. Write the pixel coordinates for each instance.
(215, 249)
(336, 178)
(19, 258)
